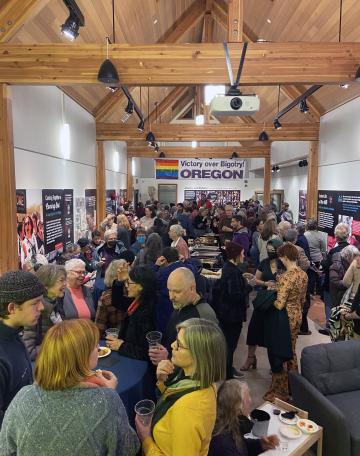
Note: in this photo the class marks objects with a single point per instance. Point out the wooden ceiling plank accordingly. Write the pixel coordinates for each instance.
(218, 133)
(201, 151)
(180, 64)
(186, 21)
(168, 102)
(15, 13)
(235, 21)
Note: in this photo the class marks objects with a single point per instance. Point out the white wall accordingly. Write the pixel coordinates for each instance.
(291, 179)
(39, 160)
(116, 164)
(339, 150)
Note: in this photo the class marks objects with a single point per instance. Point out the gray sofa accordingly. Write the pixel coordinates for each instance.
(329, 389)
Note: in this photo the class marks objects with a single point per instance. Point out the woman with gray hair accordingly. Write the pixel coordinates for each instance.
(53, 277)
(317, 245)
(178, 242)
(78, 301)
(341, 262)
(151, 252)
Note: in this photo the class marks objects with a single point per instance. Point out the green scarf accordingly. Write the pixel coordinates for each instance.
(176, 388)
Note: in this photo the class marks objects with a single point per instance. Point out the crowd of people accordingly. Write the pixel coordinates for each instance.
(136, 274)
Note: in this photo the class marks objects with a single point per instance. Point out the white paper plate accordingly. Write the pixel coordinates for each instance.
(307, 426)
(105, 352)
(290, 432)
(292, 421)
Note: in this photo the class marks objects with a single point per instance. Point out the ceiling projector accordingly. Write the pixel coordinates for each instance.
(239, 105)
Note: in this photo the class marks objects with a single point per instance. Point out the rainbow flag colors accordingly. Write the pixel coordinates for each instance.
(166, 169)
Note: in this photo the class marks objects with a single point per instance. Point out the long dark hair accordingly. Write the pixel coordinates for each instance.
(268, 229)
(146, 277)
(153, 248)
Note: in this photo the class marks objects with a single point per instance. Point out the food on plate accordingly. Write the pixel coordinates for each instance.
(289, 415)
(307, 426)
(103, 351)
(291, 432)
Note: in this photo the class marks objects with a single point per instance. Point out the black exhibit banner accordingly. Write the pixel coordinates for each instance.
(335, 207)
(90, 210)
(21, 201)
(302, 205)
(53, 210)
(68, 217)
(110, 205)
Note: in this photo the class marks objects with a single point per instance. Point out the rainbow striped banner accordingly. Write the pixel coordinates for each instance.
(166, 169)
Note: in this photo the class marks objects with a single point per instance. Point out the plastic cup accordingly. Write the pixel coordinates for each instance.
(154, 338)
(144, 410)
(112, 332)
(283, 446)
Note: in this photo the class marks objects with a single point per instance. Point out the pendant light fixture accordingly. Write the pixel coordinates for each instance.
(108, 73)
(150, 137)
(263, 135)
(277, 124)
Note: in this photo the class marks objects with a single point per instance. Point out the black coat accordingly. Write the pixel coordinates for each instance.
(230, 294)
(136, 326)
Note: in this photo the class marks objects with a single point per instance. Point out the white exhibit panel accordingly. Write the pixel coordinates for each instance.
(339, 149)
(115, 164)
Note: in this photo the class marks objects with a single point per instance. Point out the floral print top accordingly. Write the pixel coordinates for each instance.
(291, 289)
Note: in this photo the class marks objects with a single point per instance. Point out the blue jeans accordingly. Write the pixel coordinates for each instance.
(327, 300)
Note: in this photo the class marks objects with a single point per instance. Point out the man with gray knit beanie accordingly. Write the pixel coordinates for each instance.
(20, 305)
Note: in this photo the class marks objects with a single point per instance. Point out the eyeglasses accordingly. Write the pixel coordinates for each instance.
(78, 272)
(179, 346)
(61, 280)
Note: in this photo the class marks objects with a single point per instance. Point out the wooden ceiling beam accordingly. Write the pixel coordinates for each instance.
(180, 64)
(235, 21)
(168, 102)
(220, 14)
(201, 151)
(186, 21)
(15, 13)
(219, 133)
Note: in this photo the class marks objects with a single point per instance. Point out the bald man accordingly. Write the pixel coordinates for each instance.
(187, 304)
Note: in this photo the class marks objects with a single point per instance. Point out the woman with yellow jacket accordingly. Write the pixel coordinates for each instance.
(185, 414)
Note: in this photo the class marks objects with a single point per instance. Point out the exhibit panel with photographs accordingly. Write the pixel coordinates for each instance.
(302, 205)
(215, 196)
(339, 207)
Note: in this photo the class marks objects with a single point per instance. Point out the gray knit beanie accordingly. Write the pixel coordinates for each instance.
(19, 286)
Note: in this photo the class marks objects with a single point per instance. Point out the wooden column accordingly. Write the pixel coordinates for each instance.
(312, 180)
(100, 183)
(235, 21)
(8, 239)
(267, 179)
(130, 183)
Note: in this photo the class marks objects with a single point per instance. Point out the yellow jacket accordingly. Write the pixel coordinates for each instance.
(186, 428)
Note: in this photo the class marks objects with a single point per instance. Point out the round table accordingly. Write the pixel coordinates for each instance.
(136, 379)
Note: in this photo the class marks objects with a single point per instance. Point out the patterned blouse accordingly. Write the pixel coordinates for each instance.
(291, 289)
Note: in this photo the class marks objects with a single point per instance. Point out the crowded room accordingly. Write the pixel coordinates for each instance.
(180, 220)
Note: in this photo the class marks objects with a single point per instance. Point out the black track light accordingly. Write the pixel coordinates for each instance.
(150, 137)
(357, 76)
(303, 163)
(112, 89)
(304, 108)
(130, 107)
(275, 169)
(161, 155)
(141, 125)
(108, 73)
(234, 155)
(70, 28)
(263, 136)
(277, 124)
(157, 148)
(152, 144)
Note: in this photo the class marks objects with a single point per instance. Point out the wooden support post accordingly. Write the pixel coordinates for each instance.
(100, 183)
(267, 180)
(8, 240)
(312, 180)
(235, 21)
(130, 183)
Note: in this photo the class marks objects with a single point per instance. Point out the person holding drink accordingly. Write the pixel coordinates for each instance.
(140, 287)
(185, 414)
(70, 409)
